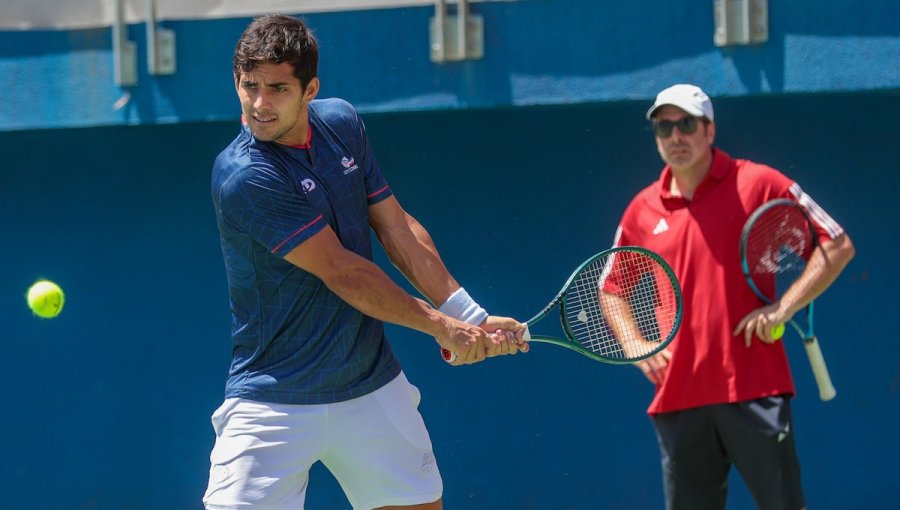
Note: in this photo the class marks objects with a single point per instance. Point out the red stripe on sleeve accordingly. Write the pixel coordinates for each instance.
(304, 227)
(377, 192)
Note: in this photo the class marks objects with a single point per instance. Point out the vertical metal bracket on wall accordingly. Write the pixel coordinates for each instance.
(124, 51)
(741, 22)
(160, 45)
(459, 37)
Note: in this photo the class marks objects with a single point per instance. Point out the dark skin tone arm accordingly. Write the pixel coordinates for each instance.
(363, 285)
(412, 250)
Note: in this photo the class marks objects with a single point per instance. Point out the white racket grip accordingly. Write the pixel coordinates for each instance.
(526, 336)
(820, 371)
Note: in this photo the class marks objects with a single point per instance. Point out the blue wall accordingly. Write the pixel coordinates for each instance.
(536, 52)
(107, 406)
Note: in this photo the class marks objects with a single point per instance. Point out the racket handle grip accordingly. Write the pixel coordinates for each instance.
(449, 357)
(820, 370)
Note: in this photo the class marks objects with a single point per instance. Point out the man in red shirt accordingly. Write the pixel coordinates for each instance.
(723, 386)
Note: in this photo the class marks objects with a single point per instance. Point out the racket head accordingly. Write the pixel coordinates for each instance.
(776, 243)
(628, 286)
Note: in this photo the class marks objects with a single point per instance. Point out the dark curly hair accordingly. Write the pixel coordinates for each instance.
(275, 39)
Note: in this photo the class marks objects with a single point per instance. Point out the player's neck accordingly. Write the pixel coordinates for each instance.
(300, 137)
(686, 179)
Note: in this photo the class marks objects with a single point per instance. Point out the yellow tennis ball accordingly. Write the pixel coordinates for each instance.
(46, 299)
(777, 331)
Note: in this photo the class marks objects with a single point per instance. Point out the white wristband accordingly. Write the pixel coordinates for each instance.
(461, 306)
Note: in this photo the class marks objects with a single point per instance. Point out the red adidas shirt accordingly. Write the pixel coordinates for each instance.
(700, 239)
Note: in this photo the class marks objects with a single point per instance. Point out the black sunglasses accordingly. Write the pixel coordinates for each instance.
(663, 128)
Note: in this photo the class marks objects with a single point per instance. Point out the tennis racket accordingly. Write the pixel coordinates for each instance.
(776, 244)
(620, 306)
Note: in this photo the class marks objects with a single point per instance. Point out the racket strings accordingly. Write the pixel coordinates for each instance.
(778, 244)
(622, 305)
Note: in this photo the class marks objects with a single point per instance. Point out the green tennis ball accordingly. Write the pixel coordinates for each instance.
(46, 299)
(777, 331)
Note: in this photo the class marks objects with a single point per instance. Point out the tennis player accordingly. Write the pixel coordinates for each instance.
(721, 397)
(313, 377)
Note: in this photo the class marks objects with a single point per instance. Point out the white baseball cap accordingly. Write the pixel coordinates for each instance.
(689, 98)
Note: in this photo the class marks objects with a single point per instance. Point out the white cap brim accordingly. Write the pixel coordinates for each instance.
(693, 110)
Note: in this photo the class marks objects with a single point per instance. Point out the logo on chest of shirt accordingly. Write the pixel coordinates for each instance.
(308, 185)
(349, 165)
(660, 227)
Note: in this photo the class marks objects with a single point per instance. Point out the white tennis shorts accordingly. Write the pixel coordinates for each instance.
(376, 446)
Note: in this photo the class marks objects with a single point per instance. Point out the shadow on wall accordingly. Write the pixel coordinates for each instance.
(537, 52)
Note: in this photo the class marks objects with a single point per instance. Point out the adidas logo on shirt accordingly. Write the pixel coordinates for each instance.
(660, 227)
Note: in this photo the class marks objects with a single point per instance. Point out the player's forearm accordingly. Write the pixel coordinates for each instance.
(825, 265)
(621, 321)
(367, 288)
(412, 250)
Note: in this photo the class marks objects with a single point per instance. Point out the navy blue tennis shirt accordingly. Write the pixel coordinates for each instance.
(293, 340)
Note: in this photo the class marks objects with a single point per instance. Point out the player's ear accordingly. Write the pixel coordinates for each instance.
(312, 89)
(711, 132)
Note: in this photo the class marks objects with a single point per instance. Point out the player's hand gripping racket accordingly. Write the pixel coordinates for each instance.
(776, 244)
(620, 306)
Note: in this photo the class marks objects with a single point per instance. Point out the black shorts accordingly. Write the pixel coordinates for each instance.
(698, 447)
